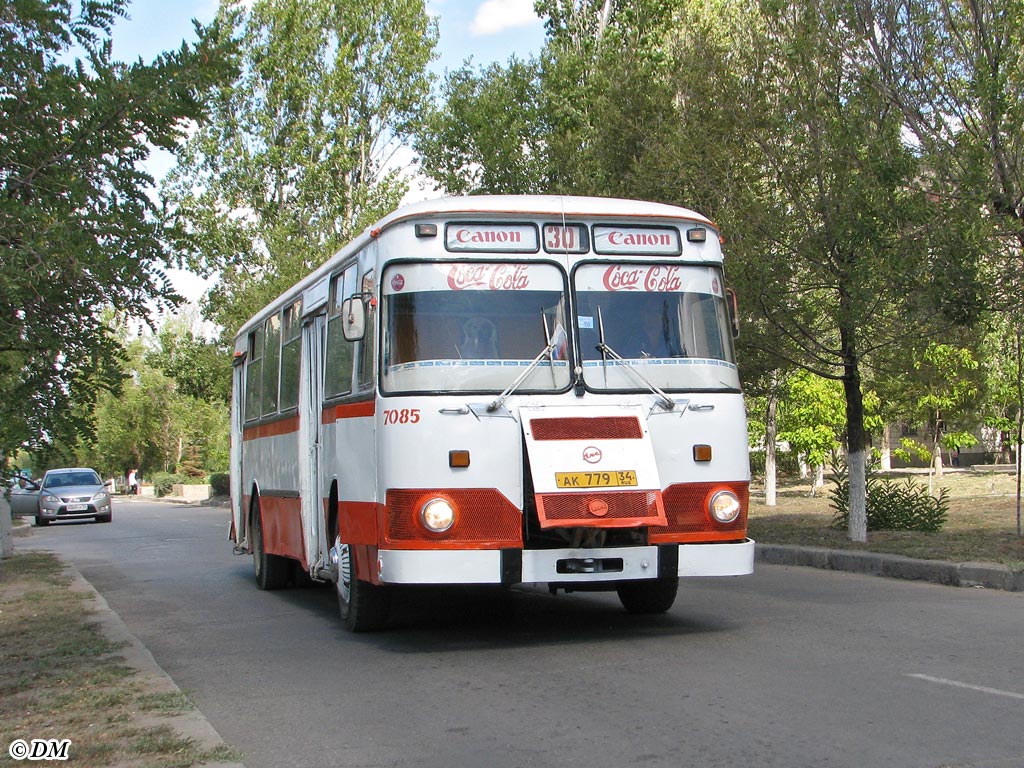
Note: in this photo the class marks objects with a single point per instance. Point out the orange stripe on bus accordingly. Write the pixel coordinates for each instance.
(282, 527)
(348, 411)
(283, 426)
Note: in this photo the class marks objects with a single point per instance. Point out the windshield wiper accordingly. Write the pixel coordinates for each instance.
(547, 352)
(665, 401)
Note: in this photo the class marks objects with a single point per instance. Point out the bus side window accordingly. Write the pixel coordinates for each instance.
(254, 375)
(338, 364)
(271, 364)
(366, 346)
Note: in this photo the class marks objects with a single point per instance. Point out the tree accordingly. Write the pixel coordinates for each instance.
(854, 266)
(300, 152)
(200, 368)
(488, 133)
(78, 231)
(955, 71)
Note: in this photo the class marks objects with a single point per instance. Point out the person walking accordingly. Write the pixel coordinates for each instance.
(133, 482)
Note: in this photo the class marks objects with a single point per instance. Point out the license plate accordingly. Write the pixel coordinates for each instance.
(77, 507)
(614, 478)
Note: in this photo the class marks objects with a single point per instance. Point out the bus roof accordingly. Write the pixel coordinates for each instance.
(561, 206)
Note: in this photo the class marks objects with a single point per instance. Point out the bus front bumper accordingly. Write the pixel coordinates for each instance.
(562, 566)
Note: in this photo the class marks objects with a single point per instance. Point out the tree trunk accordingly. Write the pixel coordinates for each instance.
(887, 447)
(6, 529)
(856, 439)
(770, 468)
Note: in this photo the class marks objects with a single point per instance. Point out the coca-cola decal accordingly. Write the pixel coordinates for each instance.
(397, 283)
(491, 238)
(592, 454)
(639, 240)
(489, 277)
(657, 278)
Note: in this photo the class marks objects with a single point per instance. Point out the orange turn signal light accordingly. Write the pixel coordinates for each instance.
(458, 459)
(702, 453)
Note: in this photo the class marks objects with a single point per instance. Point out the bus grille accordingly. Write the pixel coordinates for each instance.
(686, 507)
(620, 509)
(596, 428)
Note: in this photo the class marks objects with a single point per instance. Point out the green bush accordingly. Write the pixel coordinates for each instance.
(220, 484)
(787, 463)
(892, 506)
(162, 482)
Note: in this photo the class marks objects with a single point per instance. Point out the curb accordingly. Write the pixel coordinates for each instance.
(982, 575)
(191, 724)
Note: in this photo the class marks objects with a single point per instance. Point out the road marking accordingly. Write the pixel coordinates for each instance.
(968, 686)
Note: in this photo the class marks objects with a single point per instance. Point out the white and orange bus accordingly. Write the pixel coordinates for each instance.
(497, 390)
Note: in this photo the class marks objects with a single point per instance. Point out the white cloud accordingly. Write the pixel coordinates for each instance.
(495, 16)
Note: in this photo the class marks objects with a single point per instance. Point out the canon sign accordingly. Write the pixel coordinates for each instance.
(491, 238)
(640, 240)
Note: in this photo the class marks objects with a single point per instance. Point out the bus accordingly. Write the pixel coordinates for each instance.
(497, 390)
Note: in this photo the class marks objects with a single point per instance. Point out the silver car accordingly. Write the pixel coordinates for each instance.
(70, 494)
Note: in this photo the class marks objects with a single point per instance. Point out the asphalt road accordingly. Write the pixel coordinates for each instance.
(789, 667)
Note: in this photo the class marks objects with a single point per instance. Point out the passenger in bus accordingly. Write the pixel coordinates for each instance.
(479, 339)
(653, 337)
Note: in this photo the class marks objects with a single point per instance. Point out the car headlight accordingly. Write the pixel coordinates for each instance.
(724, 507)
(49, 502)
(437, 515)
(101, 497)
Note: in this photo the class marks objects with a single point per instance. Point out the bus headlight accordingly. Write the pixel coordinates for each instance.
(437, 515)
(724, 507)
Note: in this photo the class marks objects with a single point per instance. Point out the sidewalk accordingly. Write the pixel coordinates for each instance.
(981, 575)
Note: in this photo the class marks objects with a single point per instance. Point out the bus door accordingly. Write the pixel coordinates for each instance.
(238, 516)
(314, 326)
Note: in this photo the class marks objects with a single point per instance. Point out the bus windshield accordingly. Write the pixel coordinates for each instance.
(473, 327)
(667, 322)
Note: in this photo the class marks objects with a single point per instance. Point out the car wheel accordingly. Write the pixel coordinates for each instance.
(364, 607)
(272, 571)
(642, 597)
(105, 518)
(42, 521)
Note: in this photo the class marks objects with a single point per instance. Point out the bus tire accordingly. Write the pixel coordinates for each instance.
(272, 571)
(363, 606)
(646, 597)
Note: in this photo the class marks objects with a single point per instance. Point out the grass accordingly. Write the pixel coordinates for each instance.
(982, 523)
(61, 678)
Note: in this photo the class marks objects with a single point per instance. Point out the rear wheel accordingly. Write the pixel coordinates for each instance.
(272, 571)
(363, 606)
(655, 596)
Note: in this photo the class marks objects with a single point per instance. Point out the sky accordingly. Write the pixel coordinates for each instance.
(484, 31)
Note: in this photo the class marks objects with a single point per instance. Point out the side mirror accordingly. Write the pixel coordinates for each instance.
(733, 306)
(353, 318)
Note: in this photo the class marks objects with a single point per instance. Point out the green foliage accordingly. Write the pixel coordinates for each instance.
(78, 231)
(162, 482)
(154, 423)
(891, 506)
(220, 484)
(295, 160)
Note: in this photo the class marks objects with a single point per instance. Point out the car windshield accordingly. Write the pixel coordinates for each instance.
(668, 323)
(474, 327)
(69, 479)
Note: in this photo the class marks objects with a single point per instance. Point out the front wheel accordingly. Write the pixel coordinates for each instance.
(363, 606)
(655, 596)
(41, 521)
